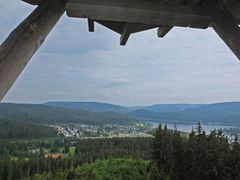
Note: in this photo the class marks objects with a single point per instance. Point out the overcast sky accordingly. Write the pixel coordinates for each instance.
(187, 66)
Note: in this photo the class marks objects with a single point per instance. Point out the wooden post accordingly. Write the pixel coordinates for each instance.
(163, 30)
(25, 40)
(125, 34)
(91, 25)
(225, 25)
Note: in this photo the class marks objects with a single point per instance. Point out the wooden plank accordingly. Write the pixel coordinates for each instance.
(225, 25)
(163, 30)
(25, 40)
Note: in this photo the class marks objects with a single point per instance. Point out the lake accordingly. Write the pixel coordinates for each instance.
(188, 127)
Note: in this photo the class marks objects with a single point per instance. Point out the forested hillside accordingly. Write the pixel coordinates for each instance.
(103, 113)
(16, 129)
(19, 160)
(49, 114)
(89, 106)
(222, 113)
(170, 155)
(197, 157)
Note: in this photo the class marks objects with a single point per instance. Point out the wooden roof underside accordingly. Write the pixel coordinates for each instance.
(232, 5)
(127, 17)
(150, 12)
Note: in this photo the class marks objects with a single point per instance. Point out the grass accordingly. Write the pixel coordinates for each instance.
(72, 150)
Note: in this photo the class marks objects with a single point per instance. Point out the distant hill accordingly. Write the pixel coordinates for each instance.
(223, 113)
(219, 112)
(16, 129)
(174, 117)
(89, 106)
(48, 114)
(171, 107)
(103, 113)
(105, 107)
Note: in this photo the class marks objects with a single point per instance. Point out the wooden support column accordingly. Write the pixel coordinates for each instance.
(125, 34)
(91, 25)
(25, 40)
(225, 25)
(163, 30)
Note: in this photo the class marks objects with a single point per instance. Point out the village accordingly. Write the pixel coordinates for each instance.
(83, 131)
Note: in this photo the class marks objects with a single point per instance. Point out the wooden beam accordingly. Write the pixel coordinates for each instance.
(225, 25)
(163, 30)
(90, 25)
(25, 40)
(33, 2)
(113, 25)
(125, 34)
(119, 26)
(149, 12)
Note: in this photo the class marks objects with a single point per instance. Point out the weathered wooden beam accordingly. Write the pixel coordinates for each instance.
(149, 12)
(119, 26)
(25, 40)
(225, 25)
(113, 25)
(91, 25)
(163, 30)
(125, 34)
(33, 2)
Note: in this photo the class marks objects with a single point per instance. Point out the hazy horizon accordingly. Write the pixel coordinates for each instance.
(126, 105)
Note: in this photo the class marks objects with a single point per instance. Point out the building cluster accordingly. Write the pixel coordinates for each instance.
(103, 131)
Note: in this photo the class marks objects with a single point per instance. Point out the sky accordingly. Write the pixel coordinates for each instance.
(187, 66)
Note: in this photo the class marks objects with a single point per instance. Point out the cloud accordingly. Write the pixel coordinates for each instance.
(188, 65)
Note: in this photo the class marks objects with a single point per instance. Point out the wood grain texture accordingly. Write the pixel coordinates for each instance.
(25, 40)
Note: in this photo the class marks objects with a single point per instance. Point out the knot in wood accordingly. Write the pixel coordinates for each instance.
(30, 28)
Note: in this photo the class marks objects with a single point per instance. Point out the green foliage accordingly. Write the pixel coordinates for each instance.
(197, 157)
(31, 161)
(16, 129)
(93, 149)
(111, 169)
(72, 150)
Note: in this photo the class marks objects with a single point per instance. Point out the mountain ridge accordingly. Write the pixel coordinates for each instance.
(95, 112)
(47, 114)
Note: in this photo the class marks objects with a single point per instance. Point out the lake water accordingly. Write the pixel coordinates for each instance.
(188, 127)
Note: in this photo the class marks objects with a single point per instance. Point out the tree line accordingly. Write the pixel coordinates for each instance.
(109, 169)
(26, 164)
(170, 155)
(18, 129)
(198, 156)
